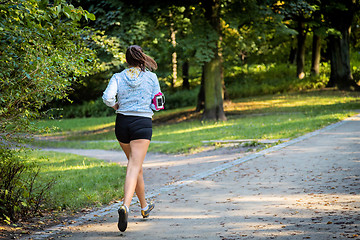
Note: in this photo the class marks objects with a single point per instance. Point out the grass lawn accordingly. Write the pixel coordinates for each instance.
(266, 117)
(79, 181)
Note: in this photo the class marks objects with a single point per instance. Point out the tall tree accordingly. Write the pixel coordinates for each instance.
(174, 54)
(316, 54)
(340, 15)
(318, 33)
(299, 14)
(213, 89)
(301, 50)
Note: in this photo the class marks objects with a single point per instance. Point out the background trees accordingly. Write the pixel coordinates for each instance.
(42, 52)
(186, 38)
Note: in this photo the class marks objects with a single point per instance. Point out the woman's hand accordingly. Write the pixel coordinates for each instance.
(116, 106)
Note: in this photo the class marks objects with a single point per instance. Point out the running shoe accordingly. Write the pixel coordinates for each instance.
(123, 218)
(146, 213)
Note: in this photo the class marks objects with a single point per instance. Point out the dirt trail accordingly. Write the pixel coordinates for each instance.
(307, 188)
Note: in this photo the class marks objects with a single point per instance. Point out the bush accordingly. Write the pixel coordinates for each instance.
(43, 52)
(21, 194)
(95, 108)
(183, 98)
(270, 79)
(356, 74)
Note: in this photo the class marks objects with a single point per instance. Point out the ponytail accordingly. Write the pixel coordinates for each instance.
(137, 58)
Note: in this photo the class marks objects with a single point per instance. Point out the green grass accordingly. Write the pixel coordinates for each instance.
(267, 117)
(75, 124)
(80, 181)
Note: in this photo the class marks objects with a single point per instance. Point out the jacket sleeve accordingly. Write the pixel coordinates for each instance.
(109, 95)
(156, 89)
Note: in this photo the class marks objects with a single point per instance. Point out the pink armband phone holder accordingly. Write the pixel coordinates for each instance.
(158, 101)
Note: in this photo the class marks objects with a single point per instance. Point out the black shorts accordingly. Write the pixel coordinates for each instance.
(129, 128)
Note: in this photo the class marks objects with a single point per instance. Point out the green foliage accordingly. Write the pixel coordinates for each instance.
(21, 191)
(356, 74)
(181, 98)
(259, 79)
(42, 54)
(253, 31)
(95, 108)
(355, 64)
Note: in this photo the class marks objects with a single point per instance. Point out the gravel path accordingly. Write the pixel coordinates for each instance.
(307, 188)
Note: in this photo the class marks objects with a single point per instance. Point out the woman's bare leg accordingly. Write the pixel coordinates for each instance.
(135, 152)
(126, 148)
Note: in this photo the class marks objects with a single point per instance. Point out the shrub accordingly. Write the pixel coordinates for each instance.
(88, 109)
(356, 74)
(182, 98)
(270, 79)
(21, 194)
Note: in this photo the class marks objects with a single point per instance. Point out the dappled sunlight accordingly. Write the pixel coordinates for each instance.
(200, 128)
(253, 105)
(267, 117)
(280, 103)
(101, 126)
(78, 124)
(184, 215)
(70, 168)
(264, 127)
(183, 161)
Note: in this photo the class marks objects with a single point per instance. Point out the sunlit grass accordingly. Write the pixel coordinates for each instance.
(256, 127)
(79, 181)
(76, 124)
(266, 117)
(292, 102)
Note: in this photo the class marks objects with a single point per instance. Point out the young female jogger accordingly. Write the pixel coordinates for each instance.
(134, 88)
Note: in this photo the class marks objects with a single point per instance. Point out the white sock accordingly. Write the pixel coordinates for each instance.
(145, 208)
(127, 209)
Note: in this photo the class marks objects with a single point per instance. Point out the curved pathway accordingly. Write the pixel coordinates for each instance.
(307, 188)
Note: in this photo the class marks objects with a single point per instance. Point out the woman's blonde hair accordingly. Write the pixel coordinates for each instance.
(137, 58)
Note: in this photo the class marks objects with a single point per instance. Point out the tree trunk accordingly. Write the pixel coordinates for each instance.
(340, 75)
(316, 48)
(213, 91)
(300, 56)
(292, 55)
(185, 74)
(201, 96)
(173, 55)
(213, 86)
(225, 92)
(341, 19)
(293, 51)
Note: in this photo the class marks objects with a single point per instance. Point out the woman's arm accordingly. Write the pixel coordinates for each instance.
(109, 95)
